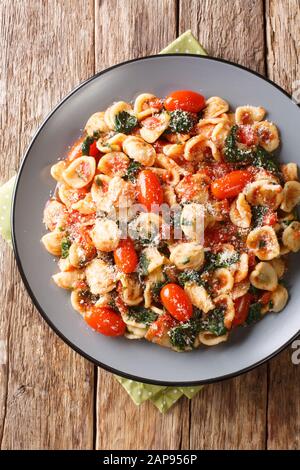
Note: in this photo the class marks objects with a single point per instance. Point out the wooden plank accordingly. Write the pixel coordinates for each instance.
(283, 36)
(46, 389)
(131, 29)
(229, 29)
(232, 414)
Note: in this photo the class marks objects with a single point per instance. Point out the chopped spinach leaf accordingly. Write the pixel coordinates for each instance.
(190, 276)
(254, 313)
(258, 214)
(181, 121)
(143, 265)
(232, 152)
(85, 146)
(214, 322)
(125, 122)
(183, 336)
(220, 260)
(65, 247)
(142, 315)
(155, 290)
(132, 171)
(264, 159)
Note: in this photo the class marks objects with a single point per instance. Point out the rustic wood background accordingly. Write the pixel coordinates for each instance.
(50, 397)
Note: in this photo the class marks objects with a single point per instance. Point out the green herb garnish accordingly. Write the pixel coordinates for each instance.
(181, 121)
(254, 313)
(220, 260)
(133, 170)
(214, 322)
(190, 276)
(143, 265)
(258, 214)
(125, 122)
(183, 336)
(232, 152)
(142, 315)
(65, 247)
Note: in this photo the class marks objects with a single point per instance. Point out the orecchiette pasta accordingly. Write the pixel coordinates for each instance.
(171, 220)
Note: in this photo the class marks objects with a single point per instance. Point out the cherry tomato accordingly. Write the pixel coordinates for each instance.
(94, 151)
(265, 298)
(125, 256)
(150, 191)
(176, 301)
(160, 327)
(156, 103)
(241, 305)
(247, 135)
(106, 321)
(186, 100)
(231, 184)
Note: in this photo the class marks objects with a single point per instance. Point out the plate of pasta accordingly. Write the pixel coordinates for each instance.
(155, 213)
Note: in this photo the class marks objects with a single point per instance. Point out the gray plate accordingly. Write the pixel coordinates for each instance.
(141, 360)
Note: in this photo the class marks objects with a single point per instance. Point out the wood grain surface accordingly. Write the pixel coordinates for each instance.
(51, 398)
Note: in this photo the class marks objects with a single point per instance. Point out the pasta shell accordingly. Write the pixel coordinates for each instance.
(85, 206)
(147, 226)
(192, 221)
(95, 124)
(106, 144)
(65, 265)
(68, 280)
(139, 150)
(264, 193)
(135, 333)
(291, 196)
(132, 290)
(52, 242)
(279, 299)
(79, 255)
(100, 277)
(196, 149)
(291, 237)
(290, 172)
(169, 195)
(208, 339)
(199, 297)
(54, 215)
(222, 281)
(279, 266)
(159, 123)
(113, 164)
(240, 289)
(187, 256)
(220, 133)
(111, 113)
(242, 267)
(105, 235)
(215, 106)
(193, 188)
(70, 196)
(173, 150)
(240, 212)
(57, 170)
(80, 172)
(142, 105)
(268, 135)
(174, 171)
(264, 277)
(225, 301)
(153, 258)
(249, 114)
(263, 242)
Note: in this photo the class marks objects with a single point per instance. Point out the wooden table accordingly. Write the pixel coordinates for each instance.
(50, 397)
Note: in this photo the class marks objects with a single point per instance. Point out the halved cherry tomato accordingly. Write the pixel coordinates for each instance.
(231, 184)
(76, 150)
(241, 305)
(125, 256)
(265, 298)
(93, 150)
(247, 135)
(160, 327)
(106, 321)
(176, 301)
(150, 191)
(186, 100)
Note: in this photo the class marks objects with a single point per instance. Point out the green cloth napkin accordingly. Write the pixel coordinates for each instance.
(162, 397)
